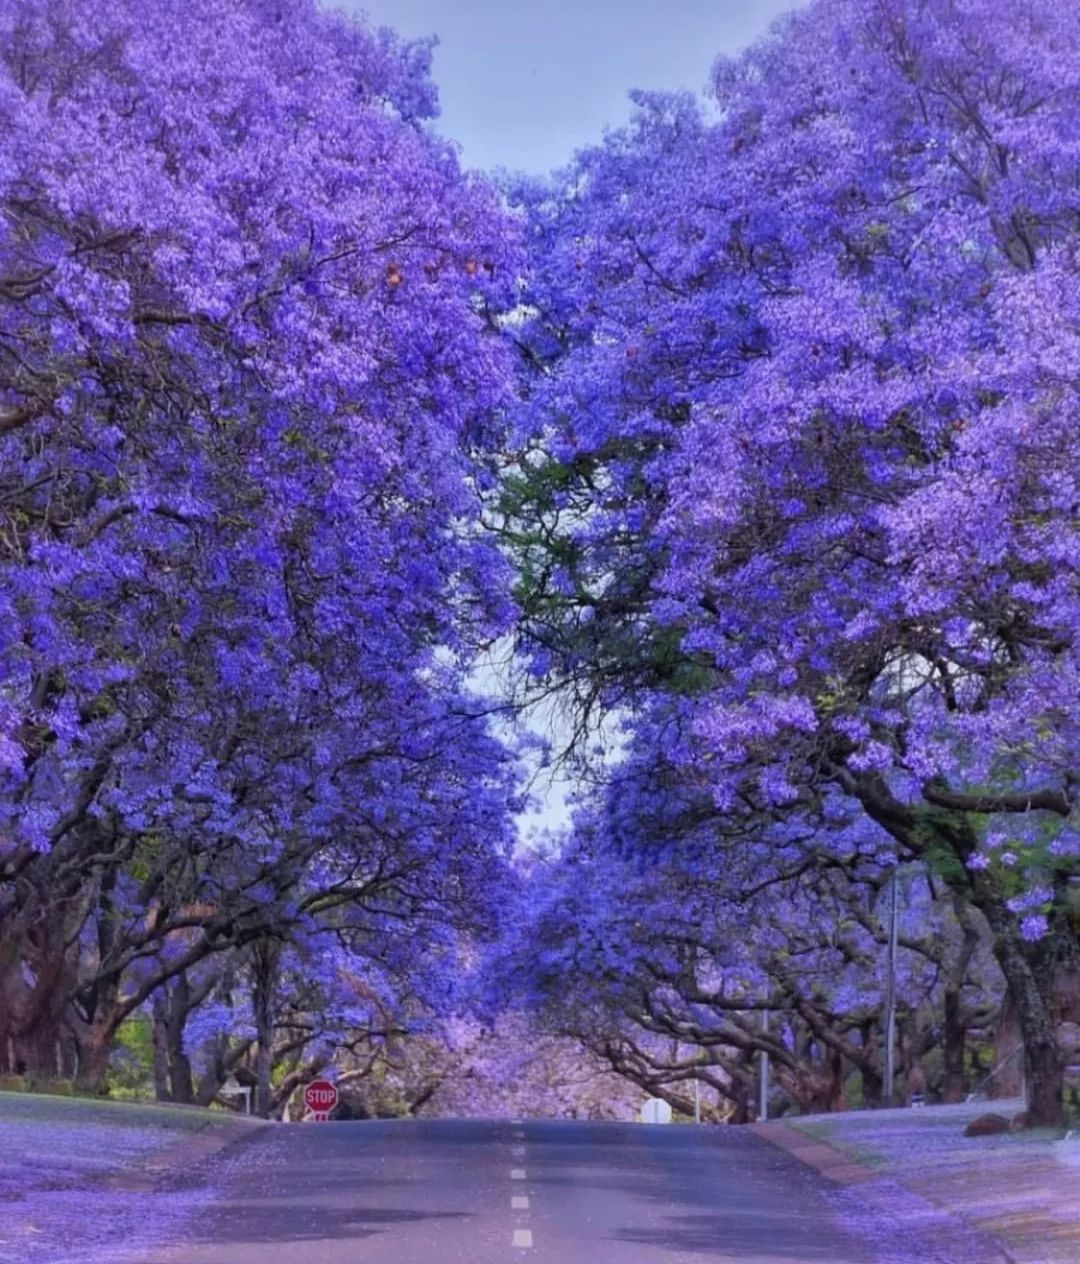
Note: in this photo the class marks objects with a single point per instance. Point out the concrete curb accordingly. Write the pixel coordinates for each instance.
(842, 1170)
(825, 1159)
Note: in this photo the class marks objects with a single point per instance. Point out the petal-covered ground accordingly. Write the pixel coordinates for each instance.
(79, 1178)
(1019, 1187)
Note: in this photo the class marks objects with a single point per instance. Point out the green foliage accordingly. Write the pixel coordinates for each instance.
(932, 832)
(51, 1087)
(131, 1067)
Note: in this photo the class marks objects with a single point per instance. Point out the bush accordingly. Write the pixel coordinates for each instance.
(130, 1072)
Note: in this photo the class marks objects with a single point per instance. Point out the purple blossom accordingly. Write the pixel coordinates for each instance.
(1034, 926)
(832, 442)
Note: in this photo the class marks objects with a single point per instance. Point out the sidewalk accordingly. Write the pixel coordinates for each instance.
(1014, 1197)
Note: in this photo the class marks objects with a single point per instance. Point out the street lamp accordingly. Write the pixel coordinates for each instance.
(890, 990)
(763, 1073)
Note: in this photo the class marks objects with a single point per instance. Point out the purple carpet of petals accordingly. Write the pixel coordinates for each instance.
(905, 1228)
(64, 1176)
(953, 1198)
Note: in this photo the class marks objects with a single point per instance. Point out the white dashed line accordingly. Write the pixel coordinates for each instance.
(519, 1202)
(518, 1152)
(517, 1174)
(518, 1134)
(522, 1237)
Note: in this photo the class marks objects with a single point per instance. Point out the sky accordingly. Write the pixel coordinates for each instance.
(523, 85)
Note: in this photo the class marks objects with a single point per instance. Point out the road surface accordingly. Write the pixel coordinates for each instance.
(444, 1192)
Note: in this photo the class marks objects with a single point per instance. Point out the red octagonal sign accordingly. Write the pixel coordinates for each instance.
(320, 1097)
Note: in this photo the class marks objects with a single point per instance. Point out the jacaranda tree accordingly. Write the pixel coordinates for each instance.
(245, 367)
(797, 489)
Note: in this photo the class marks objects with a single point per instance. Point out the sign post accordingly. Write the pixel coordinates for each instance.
(320, 1097)
(233, 1088)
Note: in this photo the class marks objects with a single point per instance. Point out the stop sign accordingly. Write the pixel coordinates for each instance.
(320, 1097)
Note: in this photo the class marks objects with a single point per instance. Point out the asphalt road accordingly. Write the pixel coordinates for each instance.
(507, 1193)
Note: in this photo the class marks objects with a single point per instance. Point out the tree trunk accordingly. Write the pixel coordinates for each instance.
(955, 1046)
(161, 1048)
(1008, 1068)
(869, 1064)
(178, 1008)
(265, 958)
(35, 980)
(1045, 1084)
(1043, 1062)
(94, 1061)
(816, 1087)
(34, 1052)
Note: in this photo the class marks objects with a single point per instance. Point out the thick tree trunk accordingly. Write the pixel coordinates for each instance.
(1007, 1079)
(94, 1049)
(873, 1081)
(34, 1053)
(955, 1047)
(181, 1082)
(95, 1016)
(740, 1108)
(222, 1063)
(1045, 1084)
(816, 1087)
(34, 992)
(265, 959)
(161, 1048)
(264, 1064)
(1044, 1065)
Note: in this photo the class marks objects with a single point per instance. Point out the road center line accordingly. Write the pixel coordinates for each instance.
(522, 1237)
(517, 1174)
(518, 1152)
(519, 1202)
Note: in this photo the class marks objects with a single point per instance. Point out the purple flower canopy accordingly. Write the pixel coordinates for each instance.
(773, 408)
(801, 499)
(248, 380)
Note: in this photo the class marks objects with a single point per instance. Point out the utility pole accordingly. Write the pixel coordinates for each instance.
(763, 1073)
(890, 991)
